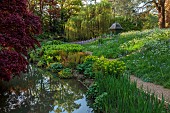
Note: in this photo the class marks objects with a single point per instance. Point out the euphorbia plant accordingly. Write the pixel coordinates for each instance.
(17, 27)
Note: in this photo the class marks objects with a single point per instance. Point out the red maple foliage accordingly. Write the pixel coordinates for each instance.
(17, 27)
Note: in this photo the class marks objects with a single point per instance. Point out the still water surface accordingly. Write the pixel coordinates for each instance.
(43, 93)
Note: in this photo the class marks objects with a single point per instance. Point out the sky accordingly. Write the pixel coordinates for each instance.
(98, 0)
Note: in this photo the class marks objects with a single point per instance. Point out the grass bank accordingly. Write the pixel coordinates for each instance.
(146, 53)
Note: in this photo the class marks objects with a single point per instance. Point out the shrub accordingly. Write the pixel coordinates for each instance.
(44, 35)
(93, 64)
(98, 102)
(150, 22)
(74, 59)
(53, 42)
(65, 73)
(93, 91)
(109, 67)
(58, 57)
(55, 67)
(129, 23)
(86, 67)
(55, 51)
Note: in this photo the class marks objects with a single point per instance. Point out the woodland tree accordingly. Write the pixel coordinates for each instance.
(127, 7)
(54, 13)
(47, 10)
(160, 7)
(17, 27)
(167, 13)
(124, 8)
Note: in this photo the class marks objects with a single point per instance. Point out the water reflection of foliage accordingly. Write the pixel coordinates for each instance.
(41, 93)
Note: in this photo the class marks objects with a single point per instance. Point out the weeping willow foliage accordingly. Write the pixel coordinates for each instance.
(91, 21)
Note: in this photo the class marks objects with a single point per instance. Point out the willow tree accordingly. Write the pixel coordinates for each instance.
(93, 20)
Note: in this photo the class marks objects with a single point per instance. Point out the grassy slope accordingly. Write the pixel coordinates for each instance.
(146, 54)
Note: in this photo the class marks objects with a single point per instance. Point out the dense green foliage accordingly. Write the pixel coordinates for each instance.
(109, 67)
(150, 22)
(146, 53)
(86, 67)
(129, 23)
(95, 20)
(47, 36)
(73, 21)
(93, 64)
(91, 21)
(126, 7)
(49, 49)
(58, 57)
(54, 13)
(65, 73)
(121, 96)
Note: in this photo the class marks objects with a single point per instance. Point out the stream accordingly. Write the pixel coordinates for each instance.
(43, 92)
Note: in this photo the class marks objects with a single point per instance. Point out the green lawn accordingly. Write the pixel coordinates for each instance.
(146, 53)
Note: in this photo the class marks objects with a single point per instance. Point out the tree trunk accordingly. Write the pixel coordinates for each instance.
(167, 13)
(162, 14)
(41, 8)
(160, 6)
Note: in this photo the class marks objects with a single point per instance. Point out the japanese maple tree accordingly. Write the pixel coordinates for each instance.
(17, 27)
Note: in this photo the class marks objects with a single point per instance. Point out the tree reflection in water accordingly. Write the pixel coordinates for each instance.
(42, 93)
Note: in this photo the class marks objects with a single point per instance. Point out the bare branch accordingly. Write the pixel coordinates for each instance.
(156, 4)
(145, 5)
